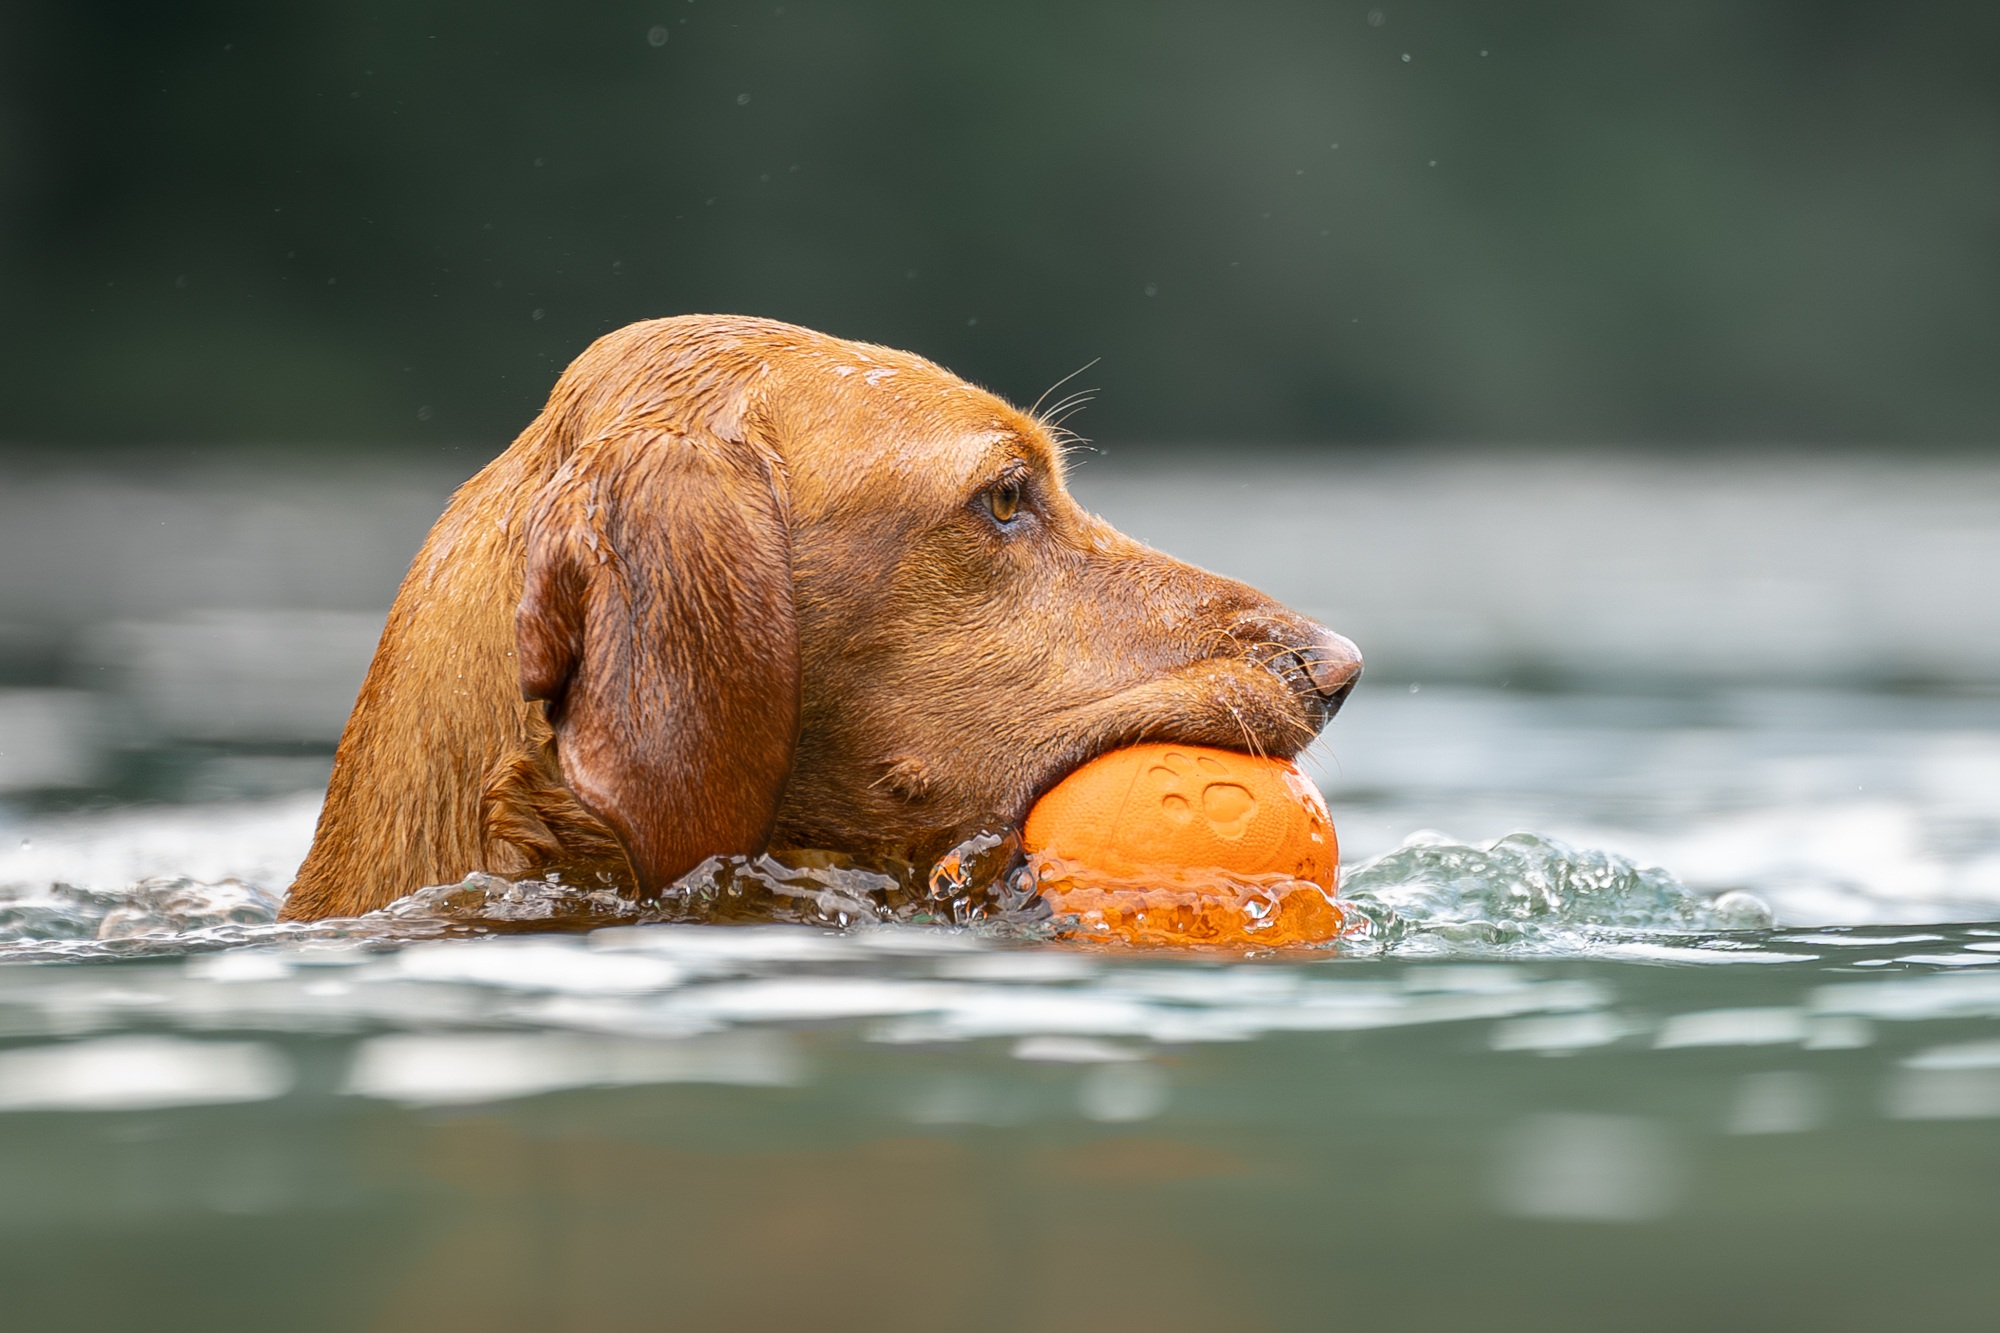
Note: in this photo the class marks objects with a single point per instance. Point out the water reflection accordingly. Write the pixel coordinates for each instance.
(1588, 1168)
(434, 1070)
(1778, 1101)
(707, 1125)
(140, 1073)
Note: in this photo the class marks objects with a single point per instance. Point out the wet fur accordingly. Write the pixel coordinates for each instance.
(738, 587)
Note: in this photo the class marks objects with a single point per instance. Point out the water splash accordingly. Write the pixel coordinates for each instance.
(1520, 894)
(1525, 892)
(166, 904)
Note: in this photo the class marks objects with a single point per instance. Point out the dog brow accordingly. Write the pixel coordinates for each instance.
(1005, 446)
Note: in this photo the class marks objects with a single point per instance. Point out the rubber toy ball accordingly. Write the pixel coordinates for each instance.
(1185, 845)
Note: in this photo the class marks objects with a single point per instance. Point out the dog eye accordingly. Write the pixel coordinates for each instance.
(1004, 500)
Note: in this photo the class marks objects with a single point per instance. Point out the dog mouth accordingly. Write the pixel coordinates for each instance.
(1317, 672)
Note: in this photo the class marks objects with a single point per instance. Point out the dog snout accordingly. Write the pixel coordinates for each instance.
(1319, 665)
(1334, 664)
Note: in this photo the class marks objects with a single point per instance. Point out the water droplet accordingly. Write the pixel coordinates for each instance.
(1406, 57)
(1415, 688)
(423, 414)
(538, 314)
(1152, 289)
(656, 36)
(743, 99)
(1376, 18)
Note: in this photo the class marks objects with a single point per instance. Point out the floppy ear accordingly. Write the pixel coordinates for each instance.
(657, 621)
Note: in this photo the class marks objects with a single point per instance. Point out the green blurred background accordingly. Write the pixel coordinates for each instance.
(334, 222)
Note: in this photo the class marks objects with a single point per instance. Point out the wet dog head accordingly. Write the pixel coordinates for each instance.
(788, 590)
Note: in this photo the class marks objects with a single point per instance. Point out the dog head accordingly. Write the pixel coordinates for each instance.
(786, 590)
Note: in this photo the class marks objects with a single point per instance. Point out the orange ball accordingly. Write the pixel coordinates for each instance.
(1185, 844)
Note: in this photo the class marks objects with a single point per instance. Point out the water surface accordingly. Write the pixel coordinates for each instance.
(1667, 810)
(914, 1128)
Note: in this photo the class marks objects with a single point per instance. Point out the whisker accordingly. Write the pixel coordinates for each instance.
(1068, 442)
(1033, 411)
(1236, 717)
(1249, 740)
(1068, 408)
(1326, 761)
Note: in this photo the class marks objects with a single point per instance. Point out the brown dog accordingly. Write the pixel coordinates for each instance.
(742, 585)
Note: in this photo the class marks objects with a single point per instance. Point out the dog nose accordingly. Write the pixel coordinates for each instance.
(1318, 664)
(1334, 664)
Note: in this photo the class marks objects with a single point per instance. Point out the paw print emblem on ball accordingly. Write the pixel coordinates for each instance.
(1227, 805)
